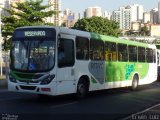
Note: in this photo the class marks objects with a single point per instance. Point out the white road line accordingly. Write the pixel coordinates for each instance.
(63, 105)
(127, 118)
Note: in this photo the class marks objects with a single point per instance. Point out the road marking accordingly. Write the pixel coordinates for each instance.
(145, 110)
(63, 105)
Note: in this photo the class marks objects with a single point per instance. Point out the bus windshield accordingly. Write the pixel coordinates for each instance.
(33, 54)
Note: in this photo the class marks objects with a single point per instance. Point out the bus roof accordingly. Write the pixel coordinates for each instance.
(90, 35)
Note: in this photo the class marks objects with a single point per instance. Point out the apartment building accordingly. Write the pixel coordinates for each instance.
(93, 11)
(128, 14)
(55, 6)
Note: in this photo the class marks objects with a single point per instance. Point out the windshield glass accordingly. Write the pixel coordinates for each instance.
(33, 55)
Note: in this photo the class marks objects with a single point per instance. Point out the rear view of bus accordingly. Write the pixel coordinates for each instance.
(32, 60)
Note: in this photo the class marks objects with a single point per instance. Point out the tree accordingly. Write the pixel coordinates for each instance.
(98, 25)
(28, 13)
(144, 31)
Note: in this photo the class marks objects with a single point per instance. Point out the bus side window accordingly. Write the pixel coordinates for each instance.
(132, 53)
(149, 55)
(110, 51)
(141, 54)
(82, 48)
(96, 50)
(122, 52)
(66, 53)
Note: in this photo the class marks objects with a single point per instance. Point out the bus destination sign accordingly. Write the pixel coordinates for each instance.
(34, 33)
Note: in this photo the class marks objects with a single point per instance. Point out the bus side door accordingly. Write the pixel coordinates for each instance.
(65, 64)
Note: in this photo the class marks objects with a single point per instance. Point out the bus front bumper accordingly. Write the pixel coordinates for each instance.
(32, 88)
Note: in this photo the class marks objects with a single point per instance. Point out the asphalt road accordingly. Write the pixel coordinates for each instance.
(101, 105)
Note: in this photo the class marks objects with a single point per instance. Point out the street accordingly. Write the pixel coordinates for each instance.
(107, 104)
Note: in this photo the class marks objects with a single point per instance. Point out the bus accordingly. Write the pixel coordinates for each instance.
(158, 61)
(89, 62)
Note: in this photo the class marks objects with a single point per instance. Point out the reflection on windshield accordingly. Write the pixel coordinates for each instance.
(35, 55)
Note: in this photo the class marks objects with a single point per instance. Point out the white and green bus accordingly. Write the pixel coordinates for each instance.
(158, 61)
(57, 61)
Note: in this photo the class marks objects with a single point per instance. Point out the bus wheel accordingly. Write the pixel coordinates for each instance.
(134, 82)
(82, 89)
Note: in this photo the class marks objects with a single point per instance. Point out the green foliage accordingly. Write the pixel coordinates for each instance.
(98, 25)
(144, 31)
(29, 13)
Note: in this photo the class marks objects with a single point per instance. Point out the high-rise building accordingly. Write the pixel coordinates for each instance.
(126, 15)
(136, 12)
(107, 15)
(68, 18)
(93, 11)
(55, 6)
(123, 17)
(154, 16)
(5, 4)
(146, 17)
(159, 12)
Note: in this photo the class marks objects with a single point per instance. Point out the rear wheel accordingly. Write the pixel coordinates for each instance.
(135, 82)
(82, 89)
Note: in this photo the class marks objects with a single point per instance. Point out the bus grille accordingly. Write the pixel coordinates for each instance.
(28, 87)
(28, 81)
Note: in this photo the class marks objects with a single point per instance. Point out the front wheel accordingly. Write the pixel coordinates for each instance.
(134, 82)
(82, 89)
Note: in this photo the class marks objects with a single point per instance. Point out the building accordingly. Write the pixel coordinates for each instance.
(154, 16)
(154, 30)
(159, 12)
(135, 26)
(146, 17)
(137, 12)
(93, 11)
(123, 17)
(5, 4)
(68, 18)
(128, 14)
(55, 6)
(107, 15)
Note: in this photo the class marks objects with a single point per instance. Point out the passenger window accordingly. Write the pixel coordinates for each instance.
(141, 54)
(65, 53)
(110, 51)
(149, 55)
(96, 50)
(132, 53)
(122, 52)
(82, 48)
(154, 56)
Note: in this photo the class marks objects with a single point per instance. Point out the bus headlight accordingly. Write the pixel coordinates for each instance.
(47, 80)
(12, 79)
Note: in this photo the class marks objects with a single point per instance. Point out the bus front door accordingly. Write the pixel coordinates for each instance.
(65, 63)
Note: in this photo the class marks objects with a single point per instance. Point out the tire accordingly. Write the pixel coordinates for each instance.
(82, 89)
(135, 82)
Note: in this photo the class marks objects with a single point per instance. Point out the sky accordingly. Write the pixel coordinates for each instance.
(79, 6)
